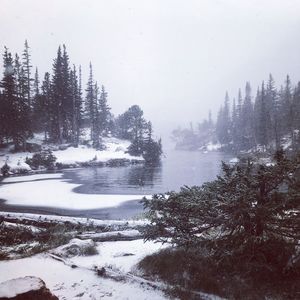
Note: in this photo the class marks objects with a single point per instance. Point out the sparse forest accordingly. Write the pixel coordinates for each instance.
(61, 106)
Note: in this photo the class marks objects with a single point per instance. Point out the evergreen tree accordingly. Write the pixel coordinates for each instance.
(76, 107)
(46, 106)
(91, 106)
(67, 97)
(287, 112)
(223, 127)
(273, 110)
(234, 126)
(20, 78)
(248, 119)
(57, 94)
(261, 129)
(152, 150)
(16, 110)
(27, 73)
(104, 112)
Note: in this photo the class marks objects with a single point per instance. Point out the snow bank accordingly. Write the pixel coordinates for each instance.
(114, 149)
(58, 193)
(32, 177)
(74, 248)
(121, 255)
(85, 154)
(18, 286)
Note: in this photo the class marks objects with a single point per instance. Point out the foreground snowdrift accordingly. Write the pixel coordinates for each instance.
(72, 283)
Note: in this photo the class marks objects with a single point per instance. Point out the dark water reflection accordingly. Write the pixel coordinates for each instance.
(178, 168)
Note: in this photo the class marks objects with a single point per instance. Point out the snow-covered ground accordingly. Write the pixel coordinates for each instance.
(73, 271)
(114, 149)
(56, 267)
(120, 256)
(75, 283)
(52, 191)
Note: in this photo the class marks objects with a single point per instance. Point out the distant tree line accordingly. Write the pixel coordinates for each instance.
(264, 120)
(58, 107)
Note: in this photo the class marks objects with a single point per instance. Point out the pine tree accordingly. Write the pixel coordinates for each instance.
(287, 112)
(27, 73)
(47, 107)
(262, 129)
(57, 97)
(67, 99)
(16, 122)
(104, 112)
(20, 78)
(90, 103)
(152, 150)
(273, 109)
(234, 126)
(296, 118)
(76, 107)
(248, 119)
(223, 123)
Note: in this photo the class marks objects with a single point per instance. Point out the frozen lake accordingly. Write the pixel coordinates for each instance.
(177, 168)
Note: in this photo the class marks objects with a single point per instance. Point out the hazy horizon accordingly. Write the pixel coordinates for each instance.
(175, 59)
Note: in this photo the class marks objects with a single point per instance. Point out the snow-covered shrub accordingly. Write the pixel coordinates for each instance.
(5, 169)
(77, 247)
(42, 159)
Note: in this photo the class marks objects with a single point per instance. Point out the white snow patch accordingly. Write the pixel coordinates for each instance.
(234, 160)
(18, 286)
(58, 193)
(120, 255)
(114, 149)
(213, 147)
(67, 283)
(32, 177)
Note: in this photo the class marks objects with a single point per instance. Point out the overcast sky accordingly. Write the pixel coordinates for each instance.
(174, 58)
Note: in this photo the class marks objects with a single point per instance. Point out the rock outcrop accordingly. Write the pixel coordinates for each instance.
(25, 288)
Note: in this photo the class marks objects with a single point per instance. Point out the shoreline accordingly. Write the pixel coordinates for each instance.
(111, 163)
(126, 211)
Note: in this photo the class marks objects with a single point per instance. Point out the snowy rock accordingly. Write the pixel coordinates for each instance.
(76, 247)
(213, 147)
(234, 160)
(25, 288)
